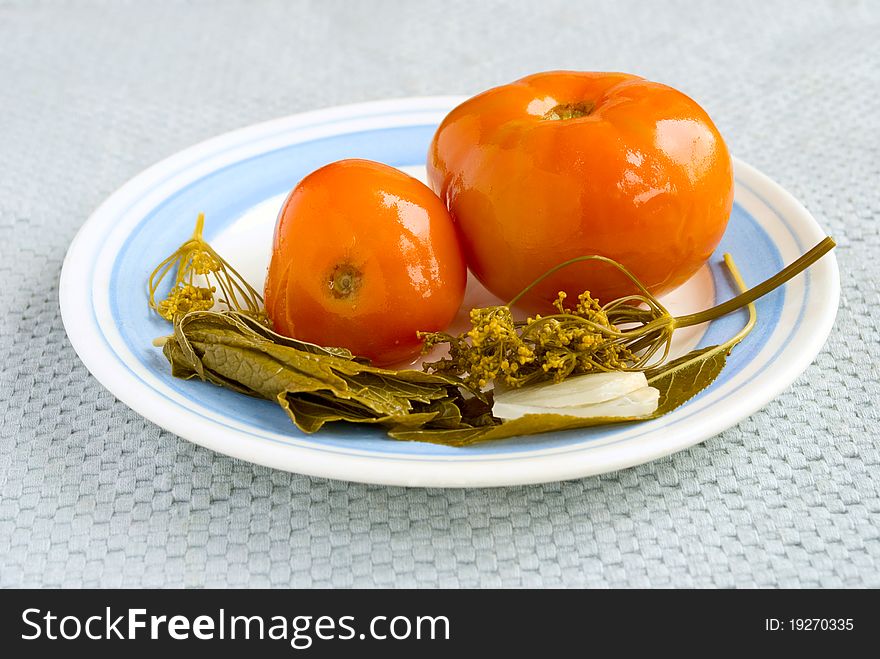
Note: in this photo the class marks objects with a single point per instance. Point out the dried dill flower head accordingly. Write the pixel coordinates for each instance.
(574, 341)
(184, 298)
(196, 258)
(492, 349)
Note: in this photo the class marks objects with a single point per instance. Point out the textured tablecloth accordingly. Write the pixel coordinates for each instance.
(91, 494)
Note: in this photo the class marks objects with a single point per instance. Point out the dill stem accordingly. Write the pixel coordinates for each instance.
(727, 346)
(581, 259)
(753, 312)
(752, 294)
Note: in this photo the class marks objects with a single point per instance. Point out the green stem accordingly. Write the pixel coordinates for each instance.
(727, 346)
(579, 259)
(761, 289)
(200, 227)
(753, 312)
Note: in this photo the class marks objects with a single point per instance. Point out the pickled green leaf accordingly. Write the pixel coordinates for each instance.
(313, 384)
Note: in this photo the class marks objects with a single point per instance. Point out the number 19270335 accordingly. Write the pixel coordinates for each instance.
(809, 624)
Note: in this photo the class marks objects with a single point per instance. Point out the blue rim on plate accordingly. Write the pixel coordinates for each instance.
(103, 302)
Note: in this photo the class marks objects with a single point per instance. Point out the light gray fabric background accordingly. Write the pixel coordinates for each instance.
(93, 495)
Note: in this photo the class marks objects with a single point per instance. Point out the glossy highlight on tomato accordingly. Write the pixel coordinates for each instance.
(565, 164)
(363, 257)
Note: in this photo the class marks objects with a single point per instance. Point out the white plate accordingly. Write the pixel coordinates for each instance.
(239, 180)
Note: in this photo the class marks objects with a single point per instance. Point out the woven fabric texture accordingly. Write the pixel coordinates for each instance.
(91, 494)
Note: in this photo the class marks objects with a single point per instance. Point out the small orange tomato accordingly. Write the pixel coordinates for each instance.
(565, 164)
(364, 257)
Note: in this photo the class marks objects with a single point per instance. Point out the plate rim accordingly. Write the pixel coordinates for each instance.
(436, 473)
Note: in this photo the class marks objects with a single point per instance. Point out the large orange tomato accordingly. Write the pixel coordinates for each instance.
(363, 257)
(565, 164)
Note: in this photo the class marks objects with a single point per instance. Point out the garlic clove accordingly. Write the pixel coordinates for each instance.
(639, 403)
(578, 390)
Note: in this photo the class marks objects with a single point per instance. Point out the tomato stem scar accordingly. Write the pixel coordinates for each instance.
(344, 281)
(570, 110)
